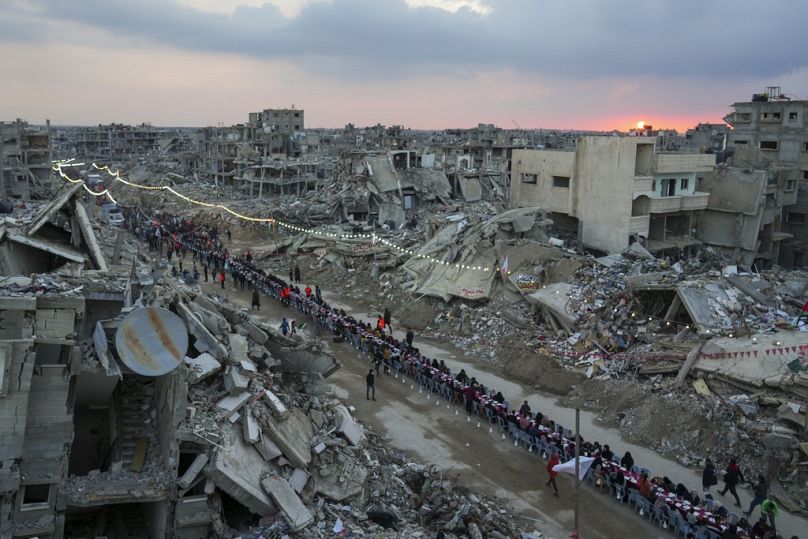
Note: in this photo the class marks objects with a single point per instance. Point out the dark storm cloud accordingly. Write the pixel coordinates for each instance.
(360, 38)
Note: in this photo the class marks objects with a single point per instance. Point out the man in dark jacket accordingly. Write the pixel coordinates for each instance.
(371, 389)
(761, 491)
(709, 476)
(731, 477)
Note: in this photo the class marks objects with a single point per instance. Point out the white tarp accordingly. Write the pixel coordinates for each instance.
(569, 466)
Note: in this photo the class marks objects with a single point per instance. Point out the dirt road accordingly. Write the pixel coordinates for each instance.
(481, 460)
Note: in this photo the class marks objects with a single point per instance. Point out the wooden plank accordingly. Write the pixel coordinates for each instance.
(692, 357)
(89, 237)
(139, 456)
(701, 387)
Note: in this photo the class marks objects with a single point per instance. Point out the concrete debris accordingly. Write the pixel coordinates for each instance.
(294, 511)
(201, 367)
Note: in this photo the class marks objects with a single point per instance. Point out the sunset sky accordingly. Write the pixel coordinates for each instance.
(426, 64)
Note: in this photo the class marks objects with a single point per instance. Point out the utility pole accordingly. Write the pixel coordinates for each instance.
(576, 532)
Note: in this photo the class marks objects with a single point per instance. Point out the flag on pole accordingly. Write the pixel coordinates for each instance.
(504, 269)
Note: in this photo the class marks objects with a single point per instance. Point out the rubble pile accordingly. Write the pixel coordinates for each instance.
(297, 460)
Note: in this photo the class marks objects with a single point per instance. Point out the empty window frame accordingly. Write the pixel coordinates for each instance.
(768, 145)
(795, 218)
(684, 184)
(791, 185)
(741, 142)
(561, 181)
(529, 178)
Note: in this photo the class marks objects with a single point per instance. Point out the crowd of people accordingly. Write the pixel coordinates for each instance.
(620, 476)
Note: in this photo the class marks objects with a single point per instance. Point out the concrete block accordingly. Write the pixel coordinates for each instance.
(353, 431)
(296, 514)
(275, 404)
(201, 367)
(298, 479)
(234, 382)
(239, 349)
(251, 430)
(192, 471)
(233, 402)
(256, 334)
(268, 449)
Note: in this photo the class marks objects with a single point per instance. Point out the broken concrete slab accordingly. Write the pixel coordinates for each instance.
(275, 404)
(342, 480)
(235, 382)
(193, 471)
(201, 367)
(349, 428)
(233, 402)
(296, 514)
(268, 449)
(239, 349)
(205, 340)
(236, 469)
(255, 333)
(89, 237)
(298, 479)
(252, 432)
(292, 435)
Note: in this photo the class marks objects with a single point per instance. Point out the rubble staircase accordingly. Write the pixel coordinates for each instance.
(137, 393)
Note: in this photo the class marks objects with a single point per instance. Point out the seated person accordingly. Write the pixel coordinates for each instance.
(524, 410)
(600, 475)
(681, 491)
(761, 528)
(661, 509)
(499, 397)
(462, 377)
(538, 418)
(627, 461)
(607, 453)
(731, 532)
(668, 485)
(644, 485)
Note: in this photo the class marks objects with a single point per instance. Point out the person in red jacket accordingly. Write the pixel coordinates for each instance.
(550, 463)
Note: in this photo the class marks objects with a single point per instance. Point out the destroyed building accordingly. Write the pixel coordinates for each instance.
(26, 153)
(615, 190)
(770, 133)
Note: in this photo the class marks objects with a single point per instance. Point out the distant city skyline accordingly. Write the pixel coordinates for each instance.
(424, 64)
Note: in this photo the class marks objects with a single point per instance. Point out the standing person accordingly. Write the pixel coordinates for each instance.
(297, 273)
(294, 328)
(387, 319)
(229, 235)
(551, 473)
(291, 274)
(409, 337)
(256, 299)
(284, 327)
(709, 476)
(317, 293)
(761, 491)
(308, 291)
(380, 324)
(205, 269)
(221, 279)
(731, 477)
(769, 509)
(370, 379)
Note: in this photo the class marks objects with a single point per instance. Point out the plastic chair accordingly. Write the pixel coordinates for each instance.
(681, 526)
(733, 518)
(645, 471)
(644, 506)
(635, 469)
(660, 517)
(489, 414)
(501, 423)
(713, 534)
(701, 532)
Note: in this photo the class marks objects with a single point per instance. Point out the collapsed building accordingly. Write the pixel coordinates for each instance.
(26, 153)
(135, 405)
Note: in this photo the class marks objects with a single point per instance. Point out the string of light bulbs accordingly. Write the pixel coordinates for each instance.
(116, 175)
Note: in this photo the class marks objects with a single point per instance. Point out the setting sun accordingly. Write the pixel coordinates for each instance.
(640, 124)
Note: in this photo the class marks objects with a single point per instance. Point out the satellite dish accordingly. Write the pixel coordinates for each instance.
(152, 341)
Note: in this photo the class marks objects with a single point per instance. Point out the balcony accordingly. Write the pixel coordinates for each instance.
(696, 201)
